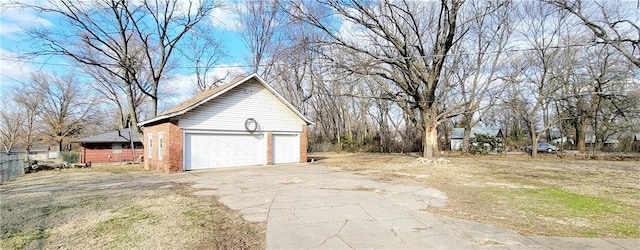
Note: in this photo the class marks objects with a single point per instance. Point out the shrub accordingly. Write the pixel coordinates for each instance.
(71, 157)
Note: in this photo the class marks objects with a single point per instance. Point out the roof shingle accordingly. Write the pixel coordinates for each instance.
(112, 136)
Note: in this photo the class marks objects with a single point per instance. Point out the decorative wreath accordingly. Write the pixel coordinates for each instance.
(251, 125)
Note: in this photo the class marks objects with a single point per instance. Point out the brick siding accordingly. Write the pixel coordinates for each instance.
(303, 144)
(107, 155)
(269, 137)
(172, 148)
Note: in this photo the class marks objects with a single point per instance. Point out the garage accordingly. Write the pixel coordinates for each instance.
(285, 148)
(241, 123)
(203, 151)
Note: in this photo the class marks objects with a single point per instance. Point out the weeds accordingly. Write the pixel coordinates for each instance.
(19, 240)
(554, 197)
(116, 207)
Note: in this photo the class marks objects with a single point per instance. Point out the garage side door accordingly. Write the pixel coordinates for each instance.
(285, 148)
(204, 151)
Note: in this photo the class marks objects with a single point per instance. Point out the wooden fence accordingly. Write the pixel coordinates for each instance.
(12, 166)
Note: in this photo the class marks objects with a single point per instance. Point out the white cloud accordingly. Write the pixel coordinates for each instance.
(182, 87)
(226, 17)
(349, 30)
(13, 20)
(355, 33)
(13, 70)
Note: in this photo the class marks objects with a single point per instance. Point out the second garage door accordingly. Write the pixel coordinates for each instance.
(286, 148)
(204, 151)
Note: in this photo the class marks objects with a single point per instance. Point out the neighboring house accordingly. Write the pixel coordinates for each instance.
(242, 123)
(610, 141)
(636, 137)
(114, 146)
(457, 135)
(562, 140)
(38, 151)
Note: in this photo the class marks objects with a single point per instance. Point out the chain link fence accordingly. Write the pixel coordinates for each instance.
(12, 166)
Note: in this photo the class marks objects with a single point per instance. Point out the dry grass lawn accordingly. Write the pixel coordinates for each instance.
(547, 196)
(116, 208)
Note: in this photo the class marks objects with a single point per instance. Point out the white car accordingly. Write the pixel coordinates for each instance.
(543, 147)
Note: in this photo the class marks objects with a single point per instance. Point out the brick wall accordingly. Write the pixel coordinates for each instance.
(107, 155)
(269, 137)
(172, 148)
(303, 143)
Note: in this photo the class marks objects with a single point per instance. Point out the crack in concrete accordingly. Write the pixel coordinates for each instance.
(256, 206)
(294, 215)
(337, 236)
(393, 230)
(271, 203)
(366, 212)
(395, 234)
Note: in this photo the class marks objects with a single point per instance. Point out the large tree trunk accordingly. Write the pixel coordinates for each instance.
(430, 135)
(534, 139)
(466, 140)
(59, 148)
(154, 100)
(581, 127)
(134, 116)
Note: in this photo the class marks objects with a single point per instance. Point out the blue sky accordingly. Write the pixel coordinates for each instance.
(14, 70)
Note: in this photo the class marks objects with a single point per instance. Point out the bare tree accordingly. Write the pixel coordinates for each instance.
(120, 37)
(571, 99)
(610, 91)
(115, 94)
(66, 110)
(596, 86)
(261, 30)
(536, 82)
(510, 113)
(404, 42)
(613, 23)
(205, 51)
(30, 105)
(479, 59)
(297, 71)
(11, 121)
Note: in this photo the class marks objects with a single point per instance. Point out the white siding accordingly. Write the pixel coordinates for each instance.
(248, 100)
(456, 144)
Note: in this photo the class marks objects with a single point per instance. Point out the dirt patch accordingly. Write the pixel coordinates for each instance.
(549, 196)
(119, 207)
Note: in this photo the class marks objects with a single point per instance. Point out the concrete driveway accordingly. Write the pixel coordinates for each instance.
(316, 207)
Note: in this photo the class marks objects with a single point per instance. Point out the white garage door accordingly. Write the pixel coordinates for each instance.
(286, 148)
(223, 150)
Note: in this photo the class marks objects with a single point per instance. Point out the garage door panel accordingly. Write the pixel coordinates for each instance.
(223, 150)
(286, 148)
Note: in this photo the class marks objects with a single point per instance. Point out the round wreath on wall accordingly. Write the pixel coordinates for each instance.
(251, 125)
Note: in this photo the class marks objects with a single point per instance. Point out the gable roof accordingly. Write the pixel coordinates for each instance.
(208, 95)
(35, 147)
(458, 133)
(112, 136)
(201, 96)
